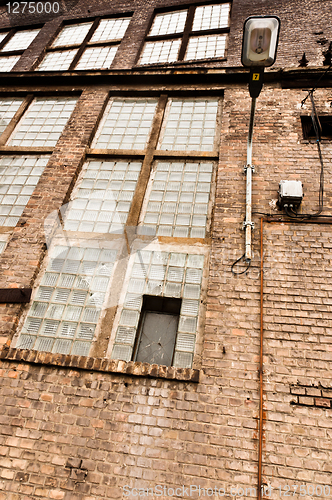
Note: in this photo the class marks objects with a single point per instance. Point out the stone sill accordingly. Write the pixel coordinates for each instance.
(131, 368)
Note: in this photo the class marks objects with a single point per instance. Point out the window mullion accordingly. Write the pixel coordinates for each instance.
(186, 32)
(143, 179)
(84, 43)
(16, 118)
(7, 38)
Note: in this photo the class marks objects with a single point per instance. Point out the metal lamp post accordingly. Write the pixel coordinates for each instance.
(259, 50)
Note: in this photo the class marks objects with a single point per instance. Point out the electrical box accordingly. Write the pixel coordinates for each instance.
(290, 193)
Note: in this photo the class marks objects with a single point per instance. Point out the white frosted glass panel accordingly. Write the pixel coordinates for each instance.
(7, 63)
(203, 47)
(63, 310)
(126, 124)
(2, 246)
(103, 206)
(190, 125)
(97, 58)
(160, 52)
(21, 40)
(170, 22)
(17, 175)
(8, 108)
(172, 208)
(3, 35)
(211, 17)
(56, 61)
(183, 360)
(43, 122)
(72, 35)
(111, 29)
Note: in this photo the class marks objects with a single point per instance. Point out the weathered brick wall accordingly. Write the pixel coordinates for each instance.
(78, 434)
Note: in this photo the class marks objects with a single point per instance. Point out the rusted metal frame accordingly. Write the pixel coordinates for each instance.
(186, 32)
(144, 176)
(7, 38)
(137, 153)
(215, 31)
(11, 53)
(25, 150)
(206, 155)
(160, 38)
(84, 43)
(16, 118)
(270, 220)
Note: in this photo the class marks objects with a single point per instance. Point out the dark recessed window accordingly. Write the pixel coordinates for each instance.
(325, 129)
(157, 330)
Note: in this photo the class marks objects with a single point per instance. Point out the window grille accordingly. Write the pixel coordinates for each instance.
(93, 45)
(199, 32)
(12, 45)
(8, 108)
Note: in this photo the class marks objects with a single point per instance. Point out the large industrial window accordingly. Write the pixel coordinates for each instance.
(148, 175)
(43, 122)
(89, 45)
(199, 32)
(12, 45)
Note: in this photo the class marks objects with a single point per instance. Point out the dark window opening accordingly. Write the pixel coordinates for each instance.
(309, 131)
(157, 330)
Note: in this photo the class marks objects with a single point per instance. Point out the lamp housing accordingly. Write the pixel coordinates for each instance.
(260, 40)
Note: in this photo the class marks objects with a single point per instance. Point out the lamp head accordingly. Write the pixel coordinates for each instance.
(260, 40)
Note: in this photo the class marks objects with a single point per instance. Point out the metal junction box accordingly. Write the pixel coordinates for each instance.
(290, 193)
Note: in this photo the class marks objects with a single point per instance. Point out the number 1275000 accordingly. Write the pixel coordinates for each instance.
(33, 7)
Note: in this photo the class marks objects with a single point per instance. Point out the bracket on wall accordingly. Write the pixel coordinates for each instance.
(15, 295)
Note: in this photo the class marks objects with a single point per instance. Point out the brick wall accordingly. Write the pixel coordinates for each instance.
(78, 432)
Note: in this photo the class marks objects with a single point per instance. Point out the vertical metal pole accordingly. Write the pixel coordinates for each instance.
(248, 224)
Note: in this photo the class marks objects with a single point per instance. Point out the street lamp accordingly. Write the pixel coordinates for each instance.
(259, 50)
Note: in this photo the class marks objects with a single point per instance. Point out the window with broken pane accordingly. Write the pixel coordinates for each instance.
(199, 32)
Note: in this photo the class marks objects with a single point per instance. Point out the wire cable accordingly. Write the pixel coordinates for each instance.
(238, 260)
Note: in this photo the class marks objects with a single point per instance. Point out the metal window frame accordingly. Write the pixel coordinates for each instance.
(86, 43)
(186, 34)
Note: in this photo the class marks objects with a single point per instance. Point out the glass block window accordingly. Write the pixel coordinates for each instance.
(165, 274)
(196, 33)
(190, 125)
(43, 122)
(211, 17)
(98, 57)
(98, 41)
(160, 52)
(3, 243)
(7, 63)
(57, 61)
(72, 35)
(177, 199)
(111, 29)
(8, 108)
(69, 301)
(126, 124)
(103, 198)
(19, 176)
(3, 36)
(202, 47)
(171, 22)
(20, 40)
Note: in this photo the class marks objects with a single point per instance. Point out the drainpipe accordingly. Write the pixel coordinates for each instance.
(248, 225)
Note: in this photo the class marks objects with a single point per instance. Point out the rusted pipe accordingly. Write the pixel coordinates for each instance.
(271, 220)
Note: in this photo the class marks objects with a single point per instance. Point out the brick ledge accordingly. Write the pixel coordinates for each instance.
(101, 365)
